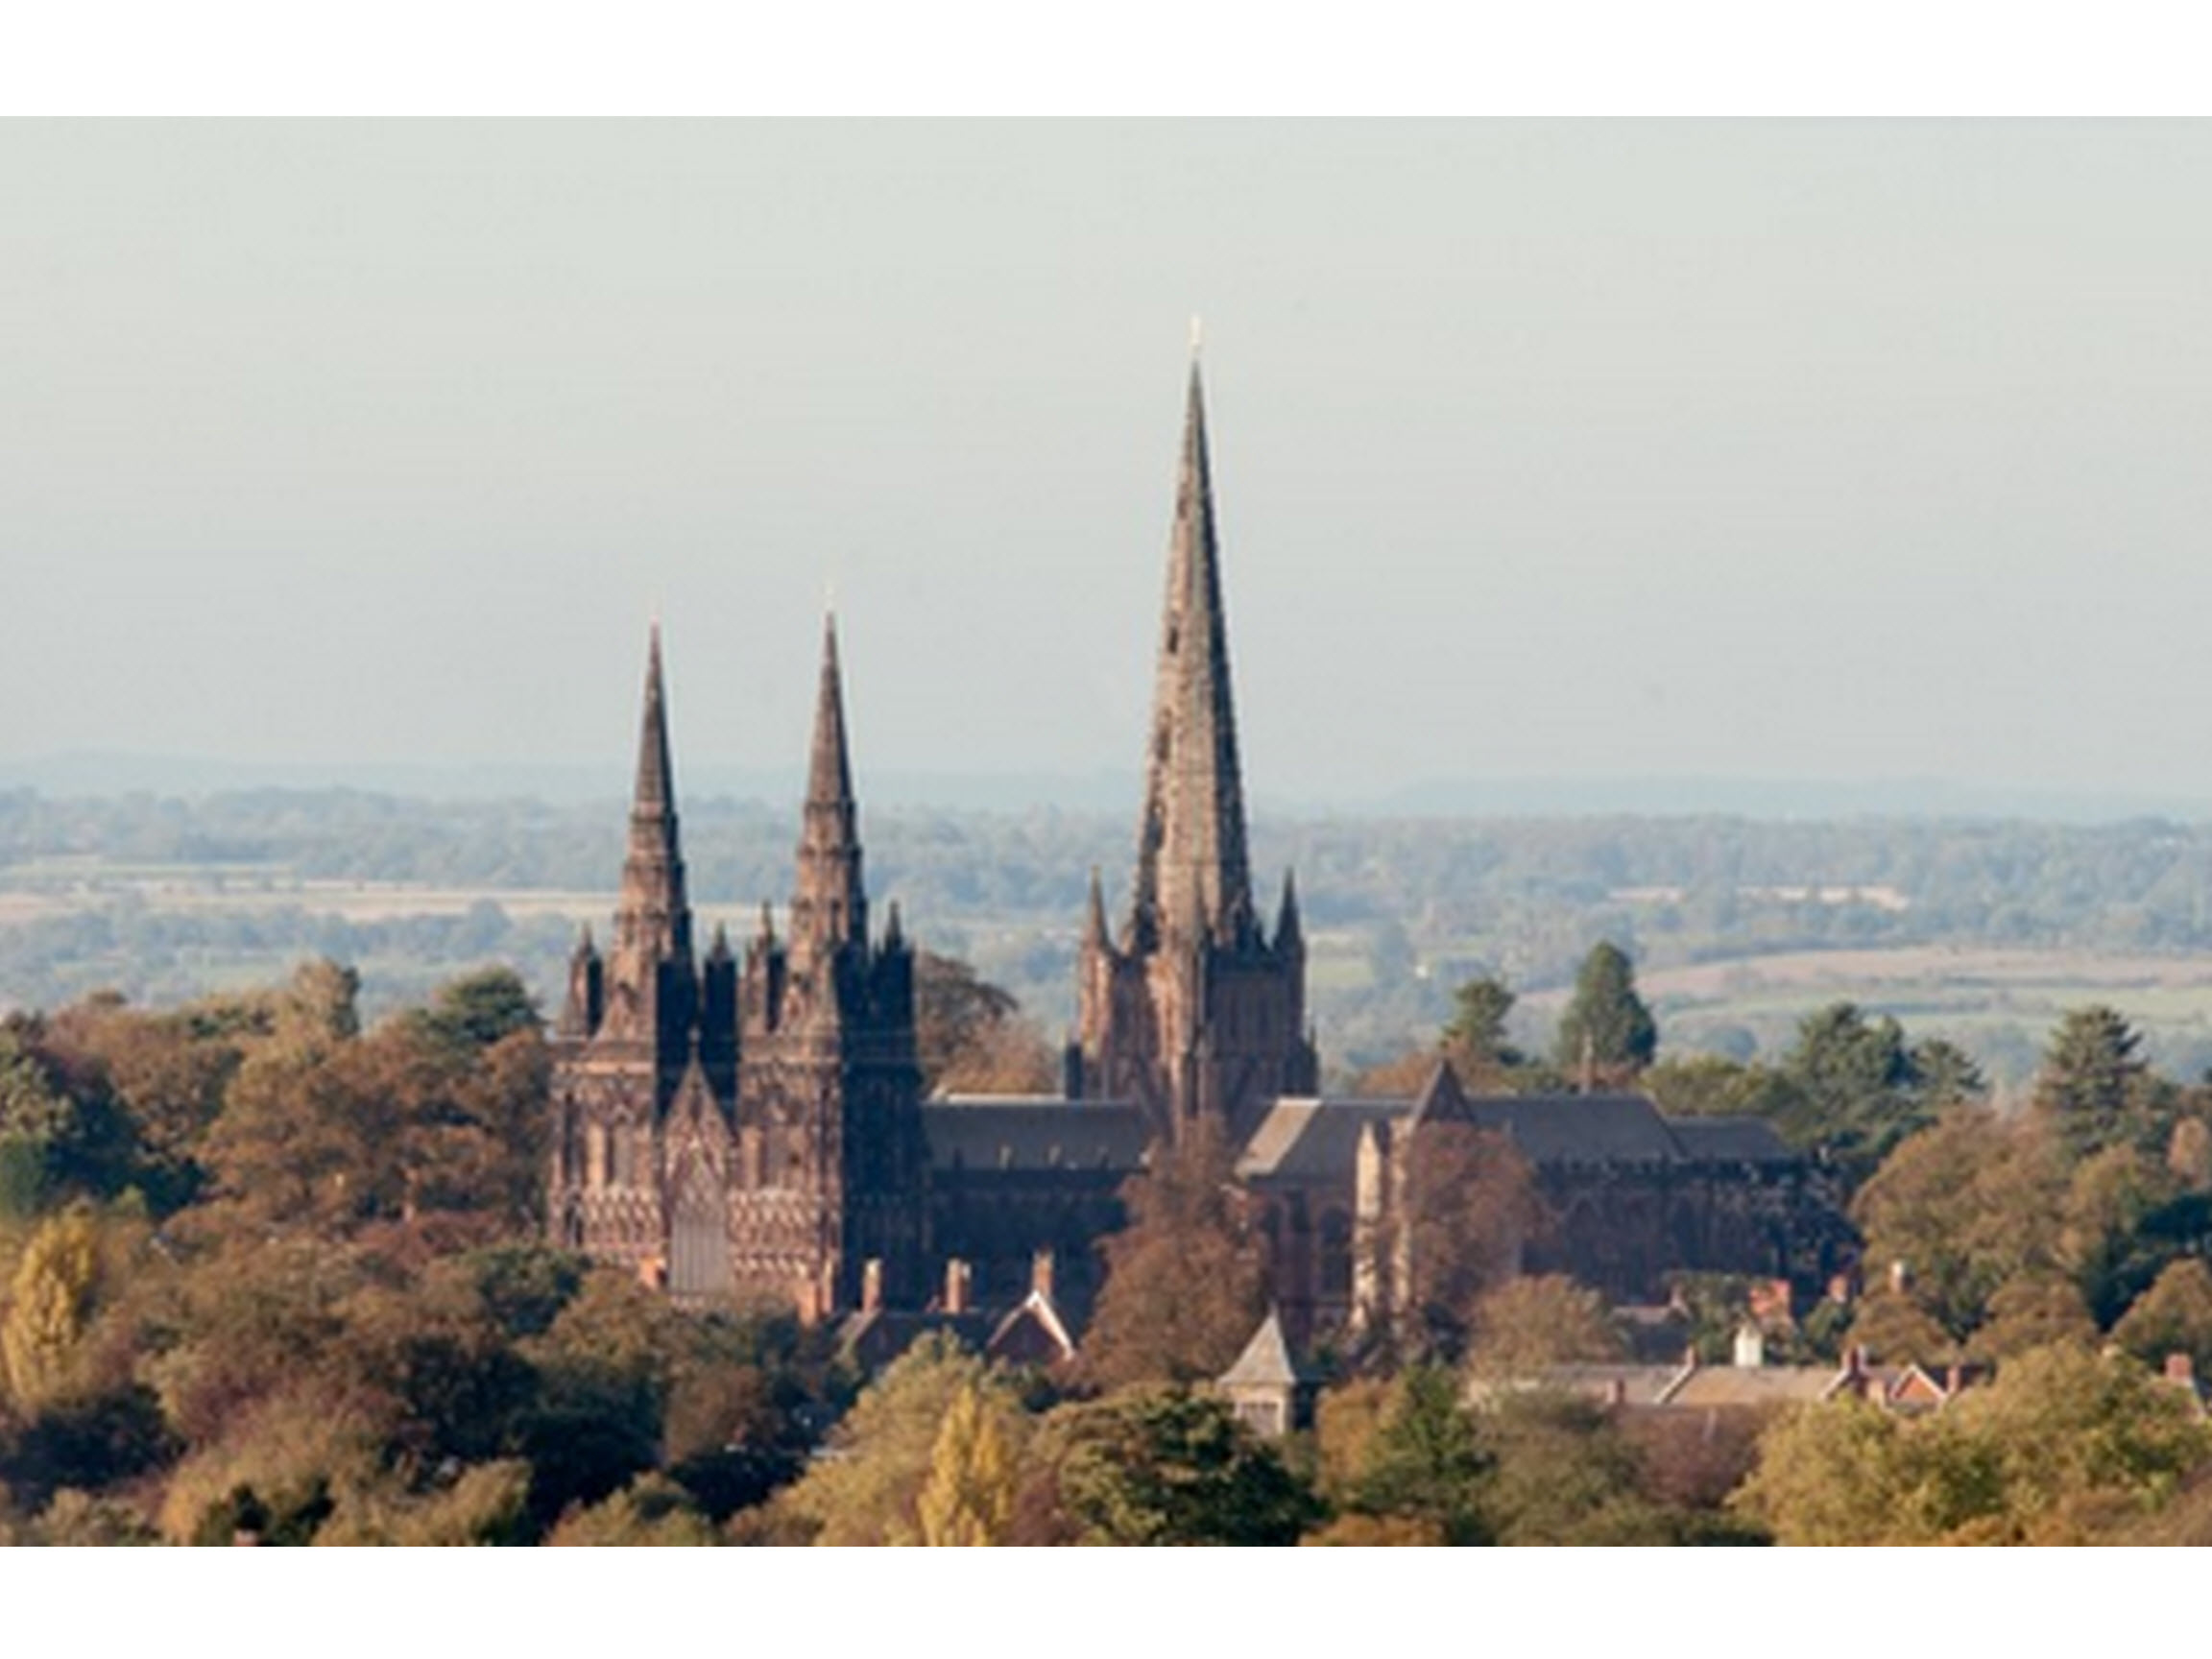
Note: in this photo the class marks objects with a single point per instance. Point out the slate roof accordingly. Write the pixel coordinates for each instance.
(1580, 1128)
(1307, 1138)
(986, 1132)
(1730, 1140)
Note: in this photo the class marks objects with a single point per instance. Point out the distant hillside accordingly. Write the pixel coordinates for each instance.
(165, 896)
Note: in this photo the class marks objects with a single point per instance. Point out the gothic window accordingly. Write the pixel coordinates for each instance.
(595, 1155)
(625, 1156)
(1336, 1254)
(698, 1243)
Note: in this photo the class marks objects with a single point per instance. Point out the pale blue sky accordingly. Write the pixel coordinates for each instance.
(1832, 451)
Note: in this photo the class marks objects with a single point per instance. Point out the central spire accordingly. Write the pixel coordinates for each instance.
(1191, 865)
(830, 906)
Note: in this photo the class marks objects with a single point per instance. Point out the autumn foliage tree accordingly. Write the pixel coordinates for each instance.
(1185, 1281)
(1470, 1207)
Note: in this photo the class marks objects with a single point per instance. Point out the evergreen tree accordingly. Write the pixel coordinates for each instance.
(2094, 1086)
(1607, 1027)
(1476, 1037)
(1165, 1466)
(1858, 1094)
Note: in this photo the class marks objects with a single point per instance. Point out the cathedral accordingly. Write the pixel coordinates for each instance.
(756, 1130)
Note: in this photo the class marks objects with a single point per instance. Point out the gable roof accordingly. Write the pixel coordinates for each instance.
(1304, 1137)
(1032, 1333)
(1266, 1363)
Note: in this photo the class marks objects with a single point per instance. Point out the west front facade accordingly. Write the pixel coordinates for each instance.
(755, 1130)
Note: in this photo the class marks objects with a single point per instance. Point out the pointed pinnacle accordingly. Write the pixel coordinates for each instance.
(829, 768)
(1094, 929)
(656, 788)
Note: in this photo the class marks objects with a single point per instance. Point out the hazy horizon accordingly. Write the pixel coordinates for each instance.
(1827, 457)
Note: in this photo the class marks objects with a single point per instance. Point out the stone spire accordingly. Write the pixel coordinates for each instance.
(1191, 850)
(1095, 936)
(1289, 930)
(830, 906)
(655, 916)
(651, 960)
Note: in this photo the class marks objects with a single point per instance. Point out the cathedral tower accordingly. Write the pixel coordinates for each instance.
(630, 1030)
(1196, 1012)
(829, 1151)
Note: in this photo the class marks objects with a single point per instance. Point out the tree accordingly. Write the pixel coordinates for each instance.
(478, 1009)
(1167, 1466)
(2112, 1234)
(50, 1307)
(881, 1455)
(2173, 1316)
(1185, 1283)
(969, 1497)
(1606, 1027)
(1469, 1209)
(1714, 1086)
(2065, 1447)
(1476, 1037)
(2081, 1442)
(60, 1135)
(1858, 1093)
(1966, 1205)
(1845, 1472)
(1425, 1460)
(1526, 1325)
(2034, 1309)
(1565, 1474)
(2093, 1086)
(651, 1511)
(970, 1034)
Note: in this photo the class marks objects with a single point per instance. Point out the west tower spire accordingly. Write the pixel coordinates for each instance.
(1192, 862)
(830, 906)
(651, 970)
(632, 1035)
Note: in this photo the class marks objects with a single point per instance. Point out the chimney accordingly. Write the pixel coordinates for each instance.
(1040, 1273)
(1617, 1392)
(872, 1284)
(956, 1280)
(1750, 1347)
